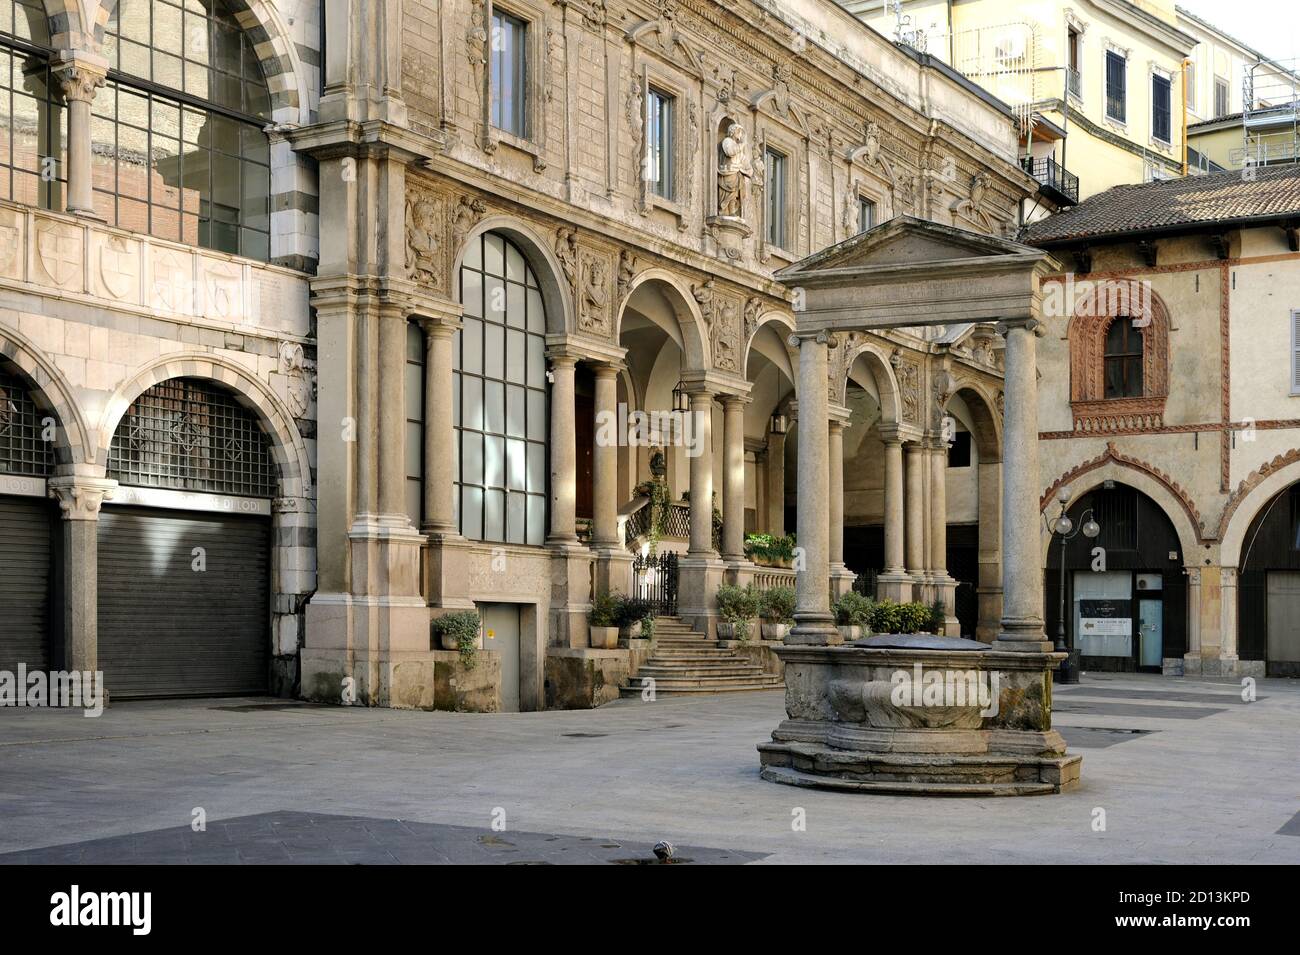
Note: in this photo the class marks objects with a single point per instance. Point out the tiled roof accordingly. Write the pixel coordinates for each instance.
(1274, 191)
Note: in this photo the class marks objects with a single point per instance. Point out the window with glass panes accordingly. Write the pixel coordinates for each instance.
(500, 409)
(414, 387)
(1123, 359)
(177, 140)
(775, 197)
(659, 143)
(1161, 110)
(33, 118)
(509, 74)
(866, 214)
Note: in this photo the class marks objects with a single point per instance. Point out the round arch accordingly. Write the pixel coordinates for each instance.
(1244, 509)
(52, 393)
(556, 295)
(694, 342)
(266, 28)
(287, 445)
(871, 359)
(787, 327)
(1084, 480)
(988, 423)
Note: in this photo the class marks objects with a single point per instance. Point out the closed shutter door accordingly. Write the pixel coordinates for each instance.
(166, 629)
(25, 579)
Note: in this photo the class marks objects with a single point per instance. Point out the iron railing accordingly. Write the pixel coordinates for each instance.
(1053, 176)
(654, 579)
(1074, 82)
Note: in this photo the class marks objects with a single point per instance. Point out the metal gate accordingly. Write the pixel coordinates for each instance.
(26, 559)
(655, 579)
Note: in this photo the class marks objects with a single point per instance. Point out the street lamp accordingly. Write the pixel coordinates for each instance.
(681, 398)
(1065, 529)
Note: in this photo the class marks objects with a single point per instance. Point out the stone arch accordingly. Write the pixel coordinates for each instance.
(876, 363)
(52, 393)
(287, 445)
(693, 339)
(787, 326)
(557, 296)
(272, 42)
(988, 423)
(1112, 466)
(1252, 495)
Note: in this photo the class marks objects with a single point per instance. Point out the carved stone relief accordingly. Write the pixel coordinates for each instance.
(425, 258)
(594, 301)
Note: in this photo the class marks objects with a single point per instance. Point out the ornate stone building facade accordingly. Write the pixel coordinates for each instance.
(543, 212)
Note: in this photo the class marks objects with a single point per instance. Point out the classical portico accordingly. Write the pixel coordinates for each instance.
(845, 729)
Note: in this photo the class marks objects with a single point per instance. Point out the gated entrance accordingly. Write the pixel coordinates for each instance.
(655, 579)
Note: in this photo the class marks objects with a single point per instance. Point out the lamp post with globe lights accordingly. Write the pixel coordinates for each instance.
(1064, 528)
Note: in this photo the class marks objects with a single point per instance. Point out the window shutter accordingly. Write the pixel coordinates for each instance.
(1295, 352)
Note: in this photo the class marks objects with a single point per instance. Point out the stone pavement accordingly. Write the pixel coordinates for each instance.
(1183, 769)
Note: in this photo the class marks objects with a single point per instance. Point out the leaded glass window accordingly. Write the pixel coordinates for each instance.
(190, 434)
(500, 407)
(24, 430)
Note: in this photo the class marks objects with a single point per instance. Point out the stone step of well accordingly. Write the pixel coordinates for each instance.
(662, 689)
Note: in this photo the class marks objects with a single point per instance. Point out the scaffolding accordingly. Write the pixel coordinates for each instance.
(1270, 114)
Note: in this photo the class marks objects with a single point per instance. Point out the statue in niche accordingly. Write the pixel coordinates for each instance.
(733, 168)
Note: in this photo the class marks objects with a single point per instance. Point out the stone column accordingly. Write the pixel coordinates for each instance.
(392, 412)
(894, 582)
(1227, 662)
(733, 478)
(701, 464)
(775, 518)
(989, 591)
(604, 530)
(813, 621)
(79, 75)
(944, 587)
(1192, 658)
(564, 452)
(1022, 576)
(440, 453)
(79, 499)
(841, 579)
(914, 539)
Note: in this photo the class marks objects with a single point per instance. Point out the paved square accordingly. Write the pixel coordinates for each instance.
(1185, 771)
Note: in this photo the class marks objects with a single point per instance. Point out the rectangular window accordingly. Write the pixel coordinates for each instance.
(414, 388)
(1116, 89)
(509, 74)
(1160, 109)
(866, 214)
(659, 143)
(1191, 86)
(775, 198)
(1295, 352)
(1220, 97)
(1072, 75)
(1123, 359)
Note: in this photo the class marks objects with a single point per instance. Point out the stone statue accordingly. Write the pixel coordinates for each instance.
(733, 169)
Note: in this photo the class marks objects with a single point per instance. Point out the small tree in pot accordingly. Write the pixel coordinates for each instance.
(738, 607)
(602, 622)
(778, 612)
(853, 615)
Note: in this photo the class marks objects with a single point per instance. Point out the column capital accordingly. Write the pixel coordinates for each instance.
(1027, 323)
(79, 74)
(441, 327)
(836, 425)
(562, 357)
(80, 497)
(607, 369)
(732, 401)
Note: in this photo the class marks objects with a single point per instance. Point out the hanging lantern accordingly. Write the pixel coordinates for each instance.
(681, 398)
(778, 424)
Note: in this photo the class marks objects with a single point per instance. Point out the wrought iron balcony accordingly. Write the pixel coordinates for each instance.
(1058, 185)
(1074, 82)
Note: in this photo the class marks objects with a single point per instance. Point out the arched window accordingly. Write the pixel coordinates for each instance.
(177, 134)
(189, 434)
(1123, 359)
(23, 430)
(501, 404)
(33, 120)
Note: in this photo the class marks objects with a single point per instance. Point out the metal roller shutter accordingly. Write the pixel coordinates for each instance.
(166, 629)
(26, 550)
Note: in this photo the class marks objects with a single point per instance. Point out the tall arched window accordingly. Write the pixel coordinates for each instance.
(177, 131)
(33, 119)
(500, 386)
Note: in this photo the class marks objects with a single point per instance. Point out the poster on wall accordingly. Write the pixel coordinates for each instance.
(1106, 627)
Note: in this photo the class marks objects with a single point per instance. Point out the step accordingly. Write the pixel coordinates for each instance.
(662, 690)
(717, 682)
(697, 673)
(793, 777)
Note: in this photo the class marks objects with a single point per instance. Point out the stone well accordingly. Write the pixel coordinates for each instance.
(919, 714)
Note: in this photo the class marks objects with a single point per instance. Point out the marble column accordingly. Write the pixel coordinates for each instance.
(440, 453)
(1227, 662)
(894, 582)
(604, 528)
(392, 412)
(79, 75)
(813, 621)
(1192, 658)
(1022, 575)
(775, 518)
(564, 452)
(944, 587)
(701, 467)
(914, 538)
(733, 477)
(79, 500)
(841, 577)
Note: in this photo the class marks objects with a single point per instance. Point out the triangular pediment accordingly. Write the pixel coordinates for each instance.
(903, 241)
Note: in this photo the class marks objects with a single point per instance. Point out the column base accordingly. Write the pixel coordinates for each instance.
(814, 630)
(895, 585)
(697, 592)
(613, 569)
(385, 551)
(571, 578)
(841, 580)
(441, 558)
(944, 589)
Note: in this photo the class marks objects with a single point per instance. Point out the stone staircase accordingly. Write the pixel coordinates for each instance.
(685, 662)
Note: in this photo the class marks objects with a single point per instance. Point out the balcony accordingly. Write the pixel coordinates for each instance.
(1055, 183)
(1074, 82)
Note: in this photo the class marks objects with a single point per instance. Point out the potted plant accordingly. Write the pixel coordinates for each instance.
(461, 631)
(938, 617)
(778, 612)
(738, 606)
(602, 622)
(853, 614)
(633, 614)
